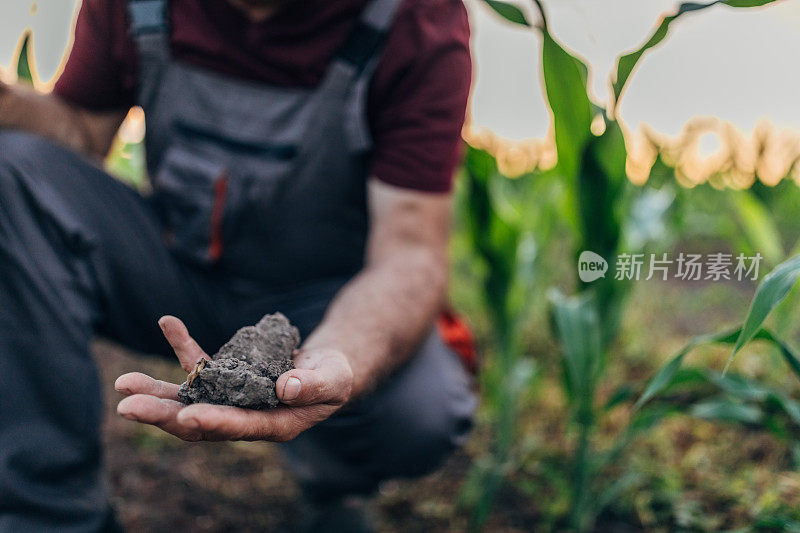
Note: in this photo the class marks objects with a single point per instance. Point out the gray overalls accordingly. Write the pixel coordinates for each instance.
(258, 205)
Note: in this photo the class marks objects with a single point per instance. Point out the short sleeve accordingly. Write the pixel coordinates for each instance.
(99, 73)
(419, 96)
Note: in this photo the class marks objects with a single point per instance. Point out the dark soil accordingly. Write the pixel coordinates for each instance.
(160, 483)
(244, 371)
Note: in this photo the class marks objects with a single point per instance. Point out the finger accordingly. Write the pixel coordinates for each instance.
(221, 422)
(330, 383)
(138, 383)
(157, 412)
(187, 350)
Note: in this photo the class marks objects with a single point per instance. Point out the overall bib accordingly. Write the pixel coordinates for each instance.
(256, 182)
(258, 206)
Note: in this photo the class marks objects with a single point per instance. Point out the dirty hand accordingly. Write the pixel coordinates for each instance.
(319, 385)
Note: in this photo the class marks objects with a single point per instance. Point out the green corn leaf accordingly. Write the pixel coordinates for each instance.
(739, 387)
(578, 330)
(620, 395)
(789, 355)
(626, 63)
(494, 230)
(668, 373)
(747, 390)
(788, 405)
(757, 225)
(565, 85)
(503, 195)
(771, 291)
(776, 523)
(525, 275)
(728, 411)
(664, 377)
(508, 11)
(479, 164)
(24, 72)
(611, 152)
(565, 81)
(689, 378)
(602, 177)
(748, 3)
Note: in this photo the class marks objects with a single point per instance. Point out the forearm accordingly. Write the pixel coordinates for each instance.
(380, 317)
(49, 116)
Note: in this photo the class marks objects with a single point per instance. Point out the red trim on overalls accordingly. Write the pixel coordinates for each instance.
(457, 336)
(218, 210)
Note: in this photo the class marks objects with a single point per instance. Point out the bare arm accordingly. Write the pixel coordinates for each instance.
(49, 116)
(380, 317)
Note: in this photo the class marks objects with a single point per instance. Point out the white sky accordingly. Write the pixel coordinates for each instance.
(740, 65)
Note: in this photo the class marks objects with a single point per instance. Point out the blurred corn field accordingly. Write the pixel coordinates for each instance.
(606, 203)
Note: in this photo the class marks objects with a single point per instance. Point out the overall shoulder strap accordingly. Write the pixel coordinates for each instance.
(148, 22)
(366, 40)
(348, 76)
(147, 17)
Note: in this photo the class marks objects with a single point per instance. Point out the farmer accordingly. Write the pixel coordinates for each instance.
(301, 155)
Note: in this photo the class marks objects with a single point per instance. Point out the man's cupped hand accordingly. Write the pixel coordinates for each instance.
(317, 387)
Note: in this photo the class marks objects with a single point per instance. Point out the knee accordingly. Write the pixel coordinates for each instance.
(14, 142)
(27, 159)
(16, 149)
(19, 147)
(10, 155)
(420, 435)
(405, 428)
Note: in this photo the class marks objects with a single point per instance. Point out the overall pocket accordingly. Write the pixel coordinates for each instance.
(197, 200)
(213, 188)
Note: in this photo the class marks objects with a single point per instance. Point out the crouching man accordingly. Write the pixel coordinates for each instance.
(300, 155)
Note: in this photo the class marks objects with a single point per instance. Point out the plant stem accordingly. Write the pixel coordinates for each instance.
(579, 517)
(504, 411)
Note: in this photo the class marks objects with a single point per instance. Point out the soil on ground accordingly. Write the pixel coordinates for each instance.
(160, 483)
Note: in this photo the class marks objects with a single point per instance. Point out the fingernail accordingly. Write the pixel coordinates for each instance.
(161, 322)
(291, 390)
(123, 390)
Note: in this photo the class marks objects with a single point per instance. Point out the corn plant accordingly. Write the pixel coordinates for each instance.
(599, 205)
(739, 399)
(503, 238)
(24, 71)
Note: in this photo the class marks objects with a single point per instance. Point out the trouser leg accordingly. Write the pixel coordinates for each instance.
(405, 428)
(78, 252)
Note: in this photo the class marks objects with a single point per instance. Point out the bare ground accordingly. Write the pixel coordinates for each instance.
(160, 483)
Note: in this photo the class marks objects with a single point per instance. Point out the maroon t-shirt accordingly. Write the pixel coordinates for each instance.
(417, 98)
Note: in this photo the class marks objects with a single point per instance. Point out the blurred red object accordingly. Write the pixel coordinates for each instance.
(457, 336)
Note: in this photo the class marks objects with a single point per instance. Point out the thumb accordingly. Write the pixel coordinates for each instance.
(329, 384)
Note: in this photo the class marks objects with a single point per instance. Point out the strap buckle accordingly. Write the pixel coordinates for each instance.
(147, 16)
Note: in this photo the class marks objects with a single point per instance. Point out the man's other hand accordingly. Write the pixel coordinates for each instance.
(319, 385)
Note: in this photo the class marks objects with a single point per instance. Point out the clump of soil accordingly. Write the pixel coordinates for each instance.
(243, 372)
